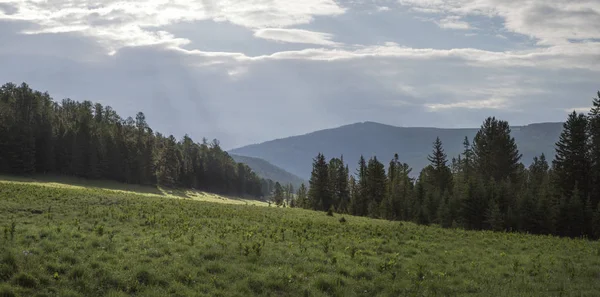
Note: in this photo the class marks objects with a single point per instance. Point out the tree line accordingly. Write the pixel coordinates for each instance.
(39, 135)
(486, 187)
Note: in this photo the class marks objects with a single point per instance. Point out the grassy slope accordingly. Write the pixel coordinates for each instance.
(77, 241)
(149, 191)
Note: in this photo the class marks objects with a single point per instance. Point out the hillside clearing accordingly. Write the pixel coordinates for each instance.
(62, 182)
(61, 240)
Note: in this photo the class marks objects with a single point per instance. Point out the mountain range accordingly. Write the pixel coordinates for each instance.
(413, 144)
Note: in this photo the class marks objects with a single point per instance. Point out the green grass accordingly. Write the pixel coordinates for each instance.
(149, 191)
(89, 241)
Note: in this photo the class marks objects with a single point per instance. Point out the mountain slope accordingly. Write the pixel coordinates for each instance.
(412, 144)
(267, 170)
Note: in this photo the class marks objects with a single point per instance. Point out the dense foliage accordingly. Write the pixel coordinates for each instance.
(59, 241)
(485, 187)
(38, 135)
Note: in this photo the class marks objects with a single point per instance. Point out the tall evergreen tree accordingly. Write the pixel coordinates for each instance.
(571, 164)
(319, 192)
(360, 203)
(302, 200)
(594, 135)
(278, 196)
(442, 176)
(495, 153)
(467, 160)
(375, 186)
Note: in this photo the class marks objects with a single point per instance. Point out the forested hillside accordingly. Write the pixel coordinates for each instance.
(373, 139)
(486, 187)
(269, 171)
(39, 135)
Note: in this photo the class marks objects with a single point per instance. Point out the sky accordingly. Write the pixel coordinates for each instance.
(248, 71)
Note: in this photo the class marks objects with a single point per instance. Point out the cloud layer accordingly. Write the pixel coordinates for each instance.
(249, 71)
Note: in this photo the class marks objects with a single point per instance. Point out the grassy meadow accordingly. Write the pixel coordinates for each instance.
(104, 240)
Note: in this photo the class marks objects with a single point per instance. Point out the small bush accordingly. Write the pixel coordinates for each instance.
(143, 277)
(26, 281)
(8, 266)
(257, 286)
(326, 286)
(77, 273)
(342, 220)
(6, 291)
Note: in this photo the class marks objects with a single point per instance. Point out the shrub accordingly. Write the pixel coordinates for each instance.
(6, 291)
(26, 281)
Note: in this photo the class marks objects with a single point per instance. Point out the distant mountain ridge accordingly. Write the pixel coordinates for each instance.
(294, 154)
(266, 170)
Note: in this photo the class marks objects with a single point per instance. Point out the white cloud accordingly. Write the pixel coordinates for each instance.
(584, 110)
(453, 22)
(296, 36)
(119, 23)
(569, 56)
(492, 103)
(550, 22)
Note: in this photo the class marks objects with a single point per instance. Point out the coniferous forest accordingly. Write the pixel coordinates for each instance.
(83, 139)
(486, 187)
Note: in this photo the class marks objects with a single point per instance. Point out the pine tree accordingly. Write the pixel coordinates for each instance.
(278, 195)
(594, 140)
(376, 185)
(574, 215)
(442, 176)
(360, 204)
(354, 192)
(343, 188)
(167, 163)
(494, 217)
(467, 160)
(474, 206)
(319, 194)
(571, 164)
(495, 153)
(335, 166)
(302, 200)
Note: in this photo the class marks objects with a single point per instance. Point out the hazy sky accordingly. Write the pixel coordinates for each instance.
(246, 71)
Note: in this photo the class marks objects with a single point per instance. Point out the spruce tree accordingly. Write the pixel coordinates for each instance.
(278, 195)
(319, 194)
(467, 159)
(442, 176)
(494, 217)
(335, 166)
(376, 186)
(571, 165)
(302, 199)
(594, 140)
(343, 188)
(360, 204)
(574, 216)
(495, 153)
